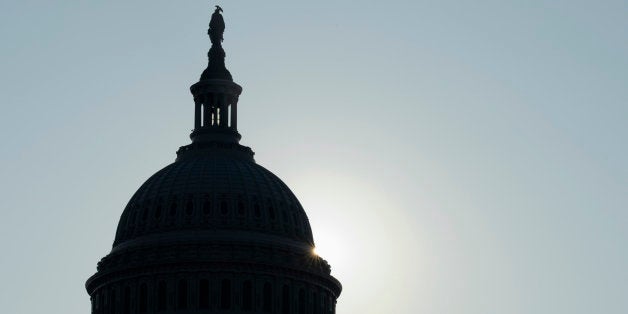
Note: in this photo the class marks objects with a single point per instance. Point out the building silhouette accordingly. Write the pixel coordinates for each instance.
(213, 232)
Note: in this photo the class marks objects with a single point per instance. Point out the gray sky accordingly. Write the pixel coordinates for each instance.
(463, 157)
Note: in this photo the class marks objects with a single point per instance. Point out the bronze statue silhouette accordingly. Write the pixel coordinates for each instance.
(216, 27)
(216, 67)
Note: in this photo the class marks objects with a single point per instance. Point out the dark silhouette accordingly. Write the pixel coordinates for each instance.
(216, 27)
(216, 68)
(213, 232)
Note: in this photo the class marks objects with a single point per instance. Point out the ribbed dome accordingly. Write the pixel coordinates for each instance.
(214, 191)
(213, 232)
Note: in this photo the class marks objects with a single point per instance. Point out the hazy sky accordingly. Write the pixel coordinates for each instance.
(454, 157)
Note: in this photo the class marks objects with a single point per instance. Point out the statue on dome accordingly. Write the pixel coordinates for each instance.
(216, 27)
(216, 67)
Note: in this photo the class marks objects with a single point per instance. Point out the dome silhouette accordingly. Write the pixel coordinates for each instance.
(213, 232)
(214, 191)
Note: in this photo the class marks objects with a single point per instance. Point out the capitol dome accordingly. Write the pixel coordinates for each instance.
(220, 189)
(213, 232)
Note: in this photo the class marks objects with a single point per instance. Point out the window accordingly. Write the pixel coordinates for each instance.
(162, 298)
(315, 303)
(224, 207)
(182, 295)
(301, 301)
(268, 298)
(143, 298)
(173, 207)
(247, 296)
(112, 301)
(127, 300)
(203, 294)
(225, 294)
(189, 207)
(240, 208)
(285, 307)
(207, 207)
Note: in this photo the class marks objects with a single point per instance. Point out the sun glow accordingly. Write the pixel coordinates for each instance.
(336, 210)
(349, 217)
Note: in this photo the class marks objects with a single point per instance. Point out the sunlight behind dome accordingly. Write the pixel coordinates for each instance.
(451, 156)
(354, 223)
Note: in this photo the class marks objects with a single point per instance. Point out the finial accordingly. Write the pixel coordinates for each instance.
(216, 27)
(216, 68)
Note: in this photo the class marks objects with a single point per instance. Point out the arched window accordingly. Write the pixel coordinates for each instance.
(241, 208)
(301, 301)
(189, 207)
(127, 300)
(285, 304)
(225, 294)
(143, 298)
(224, 207)
(182, 295)
(207, 207)
(247, 296)
(203, 294)
(268, 297)
(162, 296)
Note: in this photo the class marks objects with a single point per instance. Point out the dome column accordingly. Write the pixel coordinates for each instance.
(223, 120)
(234, 114)
(207, 112)
(214, 98)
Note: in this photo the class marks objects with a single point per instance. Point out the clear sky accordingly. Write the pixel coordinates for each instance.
(454, 157)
